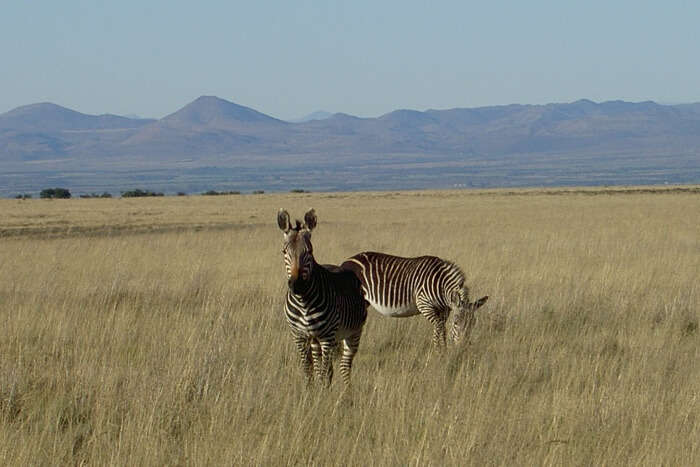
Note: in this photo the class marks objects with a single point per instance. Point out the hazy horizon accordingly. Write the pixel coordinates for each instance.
(330, 113)
(365, 59)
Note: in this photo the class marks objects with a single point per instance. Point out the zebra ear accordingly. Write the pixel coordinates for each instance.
(310, 219)
(479, 302)
(283, 221)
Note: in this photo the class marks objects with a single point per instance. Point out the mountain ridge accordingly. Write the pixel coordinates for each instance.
(218, 112)
(643, 137)
(50, 117)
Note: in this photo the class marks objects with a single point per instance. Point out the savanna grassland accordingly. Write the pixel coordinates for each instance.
(151, 332)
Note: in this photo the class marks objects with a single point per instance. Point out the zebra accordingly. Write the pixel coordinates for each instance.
(431, 286)
(324, 304)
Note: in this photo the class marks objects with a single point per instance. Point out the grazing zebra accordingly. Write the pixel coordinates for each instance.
(428, 285)
(324, 303)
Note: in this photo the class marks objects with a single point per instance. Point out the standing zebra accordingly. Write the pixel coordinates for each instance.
(428, 285)
(324, 303)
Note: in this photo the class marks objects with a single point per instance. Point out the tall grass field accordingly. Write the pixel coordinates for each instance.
(151, 332)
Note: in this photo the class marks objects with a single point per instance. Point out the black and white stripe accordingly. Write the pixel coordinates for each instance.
(428, 285)
(324, 304)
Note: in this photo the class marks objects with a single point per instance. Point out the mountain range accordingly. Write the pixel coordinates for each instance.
(214, 132)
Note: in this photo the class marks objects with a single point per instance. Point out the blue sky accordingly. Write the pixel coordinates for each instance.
(365, 58)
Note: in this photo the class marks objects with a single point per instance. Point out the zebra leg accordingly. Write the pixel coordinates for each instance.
(350, 346)
(307, 364)
(437, 319)
(317, 359)
(439, 332)
(327, 349)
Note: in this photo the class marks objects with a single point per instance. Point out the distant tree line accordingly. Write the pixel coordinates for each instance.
(218, 193)
(64, 193)
(55, 193)
(96, 195)
(139, 193)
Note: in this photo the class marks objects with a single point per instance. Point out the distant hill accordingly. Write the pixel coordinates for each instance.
(208, 125)
(318, 115)
(558, 139)
(51, 118)
(214, 112)
(48, 131)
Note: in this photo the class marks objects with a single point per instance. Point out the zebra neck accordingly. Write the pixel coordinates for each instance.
(313, 288)
(449, 290)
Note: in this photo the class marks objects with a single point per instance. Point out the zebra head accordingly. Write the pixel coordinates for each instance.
(464, 315)
(297, 251)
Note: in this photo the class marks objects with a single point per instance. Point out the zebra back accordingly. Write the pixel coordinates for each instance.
(394, 281)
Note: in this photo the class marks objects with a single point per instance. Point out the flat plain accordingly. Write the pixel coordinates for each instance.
(151, 332)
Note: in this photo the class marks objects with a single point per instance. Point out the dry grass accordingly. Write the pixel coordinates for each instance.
(150, 331)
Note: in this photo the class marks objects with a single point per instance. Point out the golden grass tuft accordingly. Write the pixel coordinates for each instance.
(150, 331)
